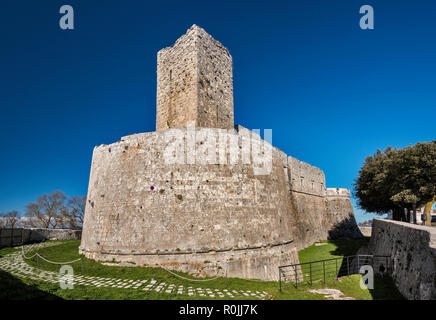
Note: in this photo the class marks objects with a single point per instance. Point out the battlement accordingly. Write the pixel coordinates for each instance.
(305, 178)
(338, 192)
(194, 83)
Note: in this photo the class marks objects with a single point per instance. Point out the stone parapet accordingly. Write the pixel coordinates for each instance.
(412, 253)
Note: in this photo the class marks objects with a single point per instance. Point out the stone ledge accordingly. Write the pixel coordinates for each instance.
(412, 252)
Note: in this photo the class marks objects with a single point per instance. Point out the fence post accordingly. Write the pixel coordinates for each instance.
(336, 268)
(310, 268)
(296, 277)
(348, 267)
(280, 279)
(323, 267)
(358, 264)
(37, 261)
(81, 266)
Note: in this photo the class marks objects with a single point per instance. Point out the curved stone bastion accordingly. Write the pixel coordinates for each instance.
(154, 208)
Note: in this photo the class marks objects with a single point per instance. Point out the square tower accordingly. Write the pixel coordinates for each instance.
(194, 83)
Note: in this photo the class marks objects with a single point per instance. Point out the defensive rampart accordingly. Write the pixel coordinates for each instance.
(18, 236)
(195, 214)
(412, 251)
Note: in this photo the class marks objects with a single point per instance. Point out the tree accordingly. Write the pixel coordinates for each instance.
(372, 184)
(48, 210)
(76, 211)
(10, 219)
(415, 172)
(397, 179)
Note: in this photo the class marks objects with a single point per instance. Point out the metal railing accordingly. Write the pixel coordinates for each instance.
(320, 270)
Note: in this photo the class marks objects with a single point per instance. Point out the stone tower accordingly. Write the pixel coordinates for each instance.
(194, 83)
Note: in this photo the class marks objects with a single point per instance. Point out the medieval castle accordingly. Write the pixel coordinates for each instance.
(152, 201)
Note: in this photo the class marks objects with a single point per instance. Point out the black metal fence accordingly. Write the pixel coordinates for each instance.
(316, 271)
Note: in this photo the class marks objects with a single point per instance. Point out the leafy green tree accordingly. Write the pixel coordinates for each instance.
(394, 179)
(415, 172)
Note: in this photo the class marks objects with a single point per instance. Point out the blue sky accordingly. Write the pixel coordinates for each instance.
(331, 92)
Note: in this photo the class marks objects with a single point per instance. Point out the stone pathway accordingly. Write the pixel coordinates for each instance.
(14, 264)
(331, 294)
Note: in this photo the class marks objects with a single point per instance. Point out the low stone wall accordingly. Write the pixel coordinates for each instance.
(16, 237)
(412, 249)
(366, 231)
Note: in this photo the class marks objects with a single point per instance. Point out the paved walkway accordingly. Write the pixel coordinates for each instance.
(333, 294)
(14, 264)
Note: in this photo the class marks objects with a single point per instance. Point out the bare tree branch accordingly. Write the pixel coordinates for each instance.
(48, 210)
(76, 211)
(10, 219)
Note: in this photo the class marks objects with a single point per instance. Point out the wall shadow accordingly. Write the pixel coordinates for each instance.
(385, 289)
(384, 286)
(349, 249)
(347, 229)
(12, 288)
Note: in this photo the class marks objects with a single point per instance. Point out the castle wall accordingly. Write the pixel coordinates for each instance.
(412, 252)
(199, 215)
(18, 236)
(341, 222)
(177, 83)
(194, 83)
(215, 77)
(307, 193)
(319, 213)
(142, 209)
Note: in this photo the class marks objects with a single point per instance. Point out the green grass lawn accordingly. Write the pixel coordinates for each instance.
(11, 287)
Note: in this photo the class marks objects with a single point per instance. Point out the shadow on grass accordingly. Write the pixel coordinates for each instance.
(12, 288)
(348, 247)
(385, 289)
(384, 286)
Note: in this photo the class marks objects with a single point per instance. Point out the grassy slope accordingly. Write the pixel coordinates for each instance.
(68, 251)
(384, 287)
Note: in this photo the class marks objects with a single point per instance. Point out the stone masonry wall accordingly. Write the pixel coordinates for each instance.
(197, 216)
(194, 83)
(341, 223)
(177, 83)
(215, 79)
(143, 209)
(15, 237)
(320, 213)
(307, 193)
(412, 251)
